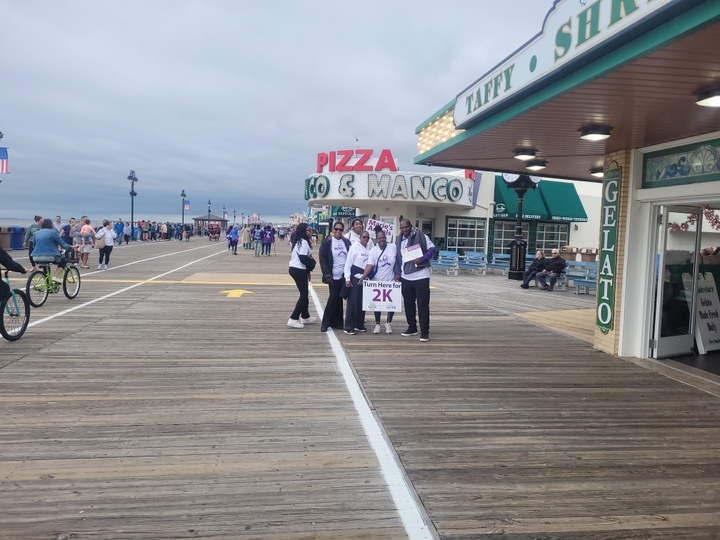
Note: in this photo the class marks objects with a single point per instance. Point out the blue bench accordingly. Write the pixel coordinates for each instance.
(448, 261)
(499, 262)
(588, 279)
(473, 261)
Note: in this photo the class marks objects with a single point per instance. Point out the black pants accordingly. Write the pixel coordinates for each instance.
(333, 315)
(389, 316)
(417, 291)
(31, 246)
(527, 277)
(105, 252)
(301, 280)
(354, 314)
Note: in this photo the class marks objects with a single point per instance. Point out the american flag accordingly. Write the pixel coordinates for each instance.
(4, 166)
(187, 204)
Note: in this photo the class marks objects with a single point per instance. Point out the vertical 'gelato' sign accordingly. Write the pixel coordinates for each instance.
(608, 250)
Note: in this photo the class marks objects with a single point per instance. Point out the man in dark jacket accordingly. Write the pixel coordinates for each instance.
(538, 265)
(414, 274)
(333, 253)
(553, 268)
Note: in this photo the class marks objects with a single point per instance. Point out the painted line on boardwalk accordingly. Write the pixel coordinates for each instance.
(146, 260)
(90, 302)
(406, 505)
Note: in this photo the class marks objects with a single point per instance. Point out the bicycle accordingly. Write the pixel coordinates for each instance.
(41, 283)
(14, 313)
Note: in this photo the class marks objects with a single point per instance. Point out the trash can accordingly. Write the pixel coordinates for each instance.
(17, 235)
(569, 253)
(4, 238)
(588, 254)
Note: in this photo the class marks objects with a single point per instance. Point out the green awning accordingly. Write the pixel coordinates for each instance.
(506, 203)
(562, 201)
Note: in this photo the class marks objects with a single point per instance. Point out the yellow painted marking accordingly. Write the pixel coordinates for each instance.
(236, 293)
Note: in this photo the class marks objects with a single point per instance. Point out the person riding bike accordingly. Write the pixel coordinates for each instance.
(7, 261)
(47, 240)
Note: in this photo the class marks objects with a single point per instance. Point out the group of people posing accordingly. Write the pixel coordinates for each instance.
(544, 269)
(348, 260)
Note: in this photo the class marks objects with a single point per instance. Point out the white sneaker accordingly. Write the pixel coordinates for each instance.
(292, 323)
(388, 328)
(309, 320)
(376, 330)
(99, 266)
(57, 279)
(105, 267)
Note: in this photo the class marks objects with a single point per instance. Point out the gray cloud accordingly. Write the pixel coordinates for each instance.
(228, 100)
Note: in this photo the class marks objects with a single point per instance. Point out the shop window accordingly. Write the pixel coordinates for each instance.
(552, 236)
(504, 234)
(465, 234)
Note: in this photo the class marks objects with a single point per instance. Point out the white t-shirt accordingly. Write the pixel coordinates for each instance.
(422, 273)
(301, 248)
(386, 264)
(339, 253)
(358, 256)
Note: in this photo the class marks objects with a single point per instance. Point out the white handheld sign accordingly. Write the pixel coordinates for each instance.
(382, 296)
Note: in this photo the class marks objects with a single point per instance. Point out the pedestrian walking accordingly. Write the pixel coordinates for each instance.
(28, 241)
(108, 236)
(300, 267)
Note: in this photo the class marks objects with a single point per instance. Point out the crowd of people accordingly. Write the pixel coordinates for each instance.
(78, 237)
(347, 260)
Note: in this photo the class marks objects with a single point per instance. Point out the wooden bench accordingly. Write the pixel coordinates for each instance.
(473, 261)
(499, 262)
(448, 261)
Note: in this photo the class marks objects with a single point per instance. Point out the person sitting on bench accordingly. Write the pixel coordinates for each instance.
(553, 268)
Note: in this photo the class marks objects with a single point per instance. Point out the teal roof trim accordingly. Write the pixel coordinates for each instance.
(690, 21)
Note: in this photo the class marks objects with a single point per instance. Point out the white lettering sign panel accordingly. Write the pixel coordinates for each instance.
(382, 296)
(707, 311)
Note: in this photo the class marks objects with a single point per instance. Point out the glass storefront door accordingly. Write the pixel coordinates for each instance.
(678, 234)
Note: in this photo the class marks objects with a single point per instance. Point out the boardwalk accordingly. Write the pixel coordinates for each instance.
(179, 405)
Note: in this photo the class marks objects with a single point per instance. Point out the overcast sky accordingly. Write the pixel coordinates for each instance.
(230, 100)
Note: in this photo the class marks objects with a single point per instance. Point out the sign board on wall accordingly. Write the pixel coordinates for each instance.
(572, 30)
(343, 211)
(707, 311)
(608, 249)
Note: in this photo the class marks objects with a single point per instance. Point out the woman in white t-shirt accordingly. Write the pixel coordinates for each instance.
(383, 255)
(355, 263)
(356, 229)
(301, 264)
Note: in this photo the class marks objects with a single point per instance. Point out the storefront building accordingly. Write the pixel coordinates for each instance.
(461, 210)
(627, 89)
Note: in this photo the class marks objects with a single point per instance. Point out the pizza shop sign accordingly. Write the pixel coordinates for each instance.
(354, 175)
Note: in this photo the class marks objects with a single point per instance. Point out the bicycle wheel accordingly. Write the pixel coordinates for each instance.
(14, 315)
(71, 282)
(37, 289)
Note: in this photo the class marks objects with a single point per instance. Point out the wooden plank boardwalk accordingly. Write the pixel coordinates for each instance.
(177, 409)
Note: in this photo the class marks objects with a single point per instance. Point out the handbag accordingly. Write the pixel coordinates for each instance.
(100, 242)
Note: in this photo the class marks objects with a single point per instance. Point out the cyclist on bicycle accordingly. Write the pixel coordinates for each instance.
(7, 261)
(47, 241)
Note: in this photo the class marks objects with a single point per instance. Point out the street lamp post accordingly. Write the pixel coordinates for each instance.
(234, 216)
(521, 184)
(133, 180)
(208, 220)
(182, 195)
(242, 218)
